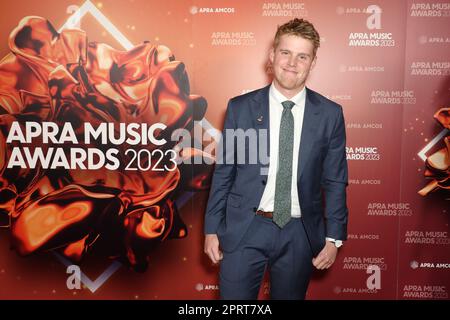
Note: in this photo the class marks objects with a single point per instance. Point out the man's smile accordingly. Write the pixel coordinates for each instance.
(290, 71)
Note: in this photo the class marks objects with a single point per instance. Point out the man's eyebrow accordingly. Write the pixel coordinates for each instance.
(300, 53)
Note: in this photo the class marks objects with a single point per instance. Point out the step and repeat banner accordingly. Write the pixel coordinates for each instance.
(109, 117)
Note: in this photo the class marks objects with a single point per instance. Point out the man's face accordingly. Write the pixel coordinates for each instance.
(292, 60)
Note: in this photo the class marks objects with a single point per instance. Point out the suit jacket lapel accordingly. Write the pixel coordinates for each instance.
(260, 115)
(311, 119)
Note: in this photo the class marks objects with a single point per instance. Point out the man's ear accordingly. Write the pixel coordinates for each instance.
(313, 63)
(272, 54)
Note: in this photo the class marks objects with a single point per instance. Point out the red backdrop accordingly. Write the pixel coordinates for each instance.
(386, 62)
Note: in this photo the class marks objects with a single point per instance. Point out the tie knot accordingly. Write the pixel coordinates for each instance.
(288, 104)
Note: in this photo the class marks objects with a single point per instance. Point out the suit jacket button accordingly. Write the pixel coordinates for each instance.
(254, 209)
(264, 182)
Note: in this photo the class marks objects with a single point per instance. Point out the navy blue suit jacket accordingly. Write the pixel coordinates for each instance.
(236, 189)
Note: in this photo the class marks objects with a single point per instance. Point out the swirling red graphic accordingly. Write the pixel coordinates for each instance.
(60, 78)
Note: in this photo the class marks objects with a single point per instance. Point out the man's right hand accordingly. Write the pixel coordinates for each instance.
(212, 248)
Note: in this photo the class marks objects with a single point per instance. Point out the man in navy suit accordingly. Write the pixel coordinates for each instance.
(289, 214)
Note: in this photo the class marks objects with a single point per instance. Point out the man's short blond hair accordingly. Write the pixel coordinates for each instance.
(298, 27)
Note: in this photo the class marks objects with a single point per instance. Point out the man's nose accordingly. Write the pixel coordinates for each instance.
(292, 61)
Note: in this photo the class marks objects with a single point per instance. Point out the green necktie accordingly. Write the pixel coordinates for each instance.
(282, 201)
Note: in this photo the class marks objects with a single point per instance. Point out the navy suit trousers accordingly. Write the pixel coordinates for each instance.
(285, 252)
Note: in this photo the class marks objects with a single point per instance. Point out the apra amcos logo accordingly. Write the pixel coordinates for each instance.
(211, 10)
(372, 285)
(373, 38)
(205, 287)
(374, 20)
(374, 280)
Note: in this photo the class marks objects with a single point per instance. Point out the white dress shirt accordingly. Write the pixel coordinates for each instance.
(275, 112)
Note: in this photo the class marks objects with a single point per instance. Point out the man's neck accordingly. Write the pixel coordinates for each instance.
(287, 93)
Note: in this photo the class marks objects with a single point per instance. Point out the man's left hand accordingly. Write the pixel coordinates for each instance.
(326, 257)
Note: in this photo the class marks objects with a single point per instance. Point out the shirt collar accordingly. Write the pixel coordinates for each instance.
(279, 97)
